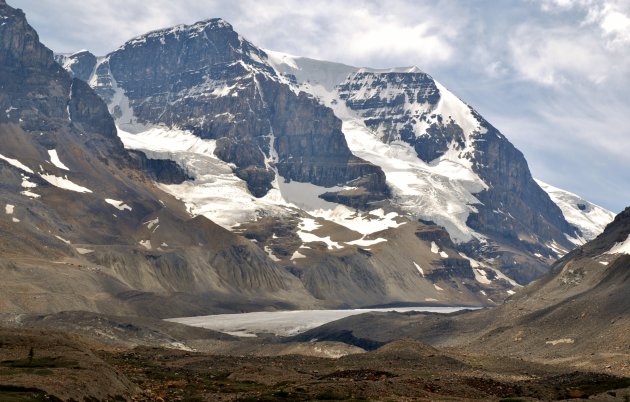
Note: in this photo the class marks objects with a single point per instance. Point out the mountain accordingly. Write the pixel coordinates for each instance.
(84, 224)
(394, 141)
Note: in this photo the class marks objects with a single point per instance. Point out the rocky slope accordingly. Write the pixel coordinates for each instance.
(84, 225)
(577, 315)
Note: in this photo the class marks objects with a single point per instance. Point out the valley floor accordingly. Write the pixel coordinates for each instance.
(73, 367)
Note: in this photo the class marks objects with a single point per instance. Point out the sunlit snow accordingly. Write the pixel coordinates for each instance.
(591, 219)
(16, 163)
(118, 204)
(54, 159)
(621, 248)
(64, 183)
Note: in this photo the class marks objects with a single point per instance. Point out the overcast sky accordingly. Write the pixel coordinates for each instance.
(552, 75)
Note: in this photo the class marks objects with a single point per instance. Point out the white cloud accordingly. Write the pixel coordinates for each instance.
(557, 56)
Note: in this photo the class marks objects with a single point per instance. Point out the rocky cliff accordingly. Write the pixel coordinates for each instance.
(208, 79)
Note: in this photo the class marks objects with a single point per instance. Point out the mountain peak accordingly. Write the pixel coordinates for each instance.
(398, 70)
(212, 24)
(20, 46)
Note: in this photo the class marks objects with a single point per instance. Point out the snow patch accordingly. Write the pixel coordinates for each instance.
(297, 255)
(64, 183)
(621, 248)
(118, 204)
(435, 249)
(481, 276)
(62, 239)
(271, 255)
(30, 194)
(16, 163)
(419, 269)
(362, 242)
(153, 224)
(145, 243)
(311, 238)
(560, 341)
(54, 159)
(9, 208)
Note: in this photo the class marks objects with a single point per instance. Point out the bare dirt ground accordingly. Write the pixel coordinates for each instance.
(70, 367)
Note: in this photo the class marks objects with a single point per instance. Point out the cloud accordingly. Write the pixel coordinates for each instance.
(355, 32)
(557, 56)
(612, 17)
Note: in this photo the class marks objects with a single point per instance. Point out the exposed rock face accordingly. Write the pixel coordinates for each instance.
(208, 79)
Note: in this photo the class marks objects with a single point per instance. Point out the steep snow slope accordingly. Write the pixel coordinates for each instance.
(591, 219)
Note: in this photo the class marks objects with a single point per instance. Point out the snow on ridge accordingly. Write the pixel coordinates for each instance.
(621, 248)
(398, 70)
(279, 58)
(591, 220)
(54, 159)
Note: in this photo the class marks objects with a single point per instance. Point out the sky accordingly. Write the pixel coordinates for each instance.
(552, 75)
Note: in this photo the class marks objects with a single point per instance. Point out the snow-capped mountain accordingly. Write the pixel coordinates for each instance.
(335, 171)
(463, 173)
